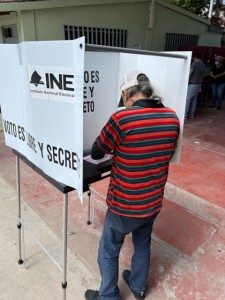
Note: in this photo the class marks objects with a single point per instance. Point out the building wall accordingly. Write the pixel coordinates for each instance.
(49, 22)
(45, 20)
(170, 19)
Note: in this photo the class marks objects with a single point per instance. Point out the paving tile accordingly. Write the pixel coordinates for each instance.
(182, 229)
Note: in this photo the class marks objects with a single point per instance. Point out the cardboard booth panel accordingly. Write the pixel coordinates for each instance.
(168, 75)
(100, 92)
(11, 105)
(47, 102)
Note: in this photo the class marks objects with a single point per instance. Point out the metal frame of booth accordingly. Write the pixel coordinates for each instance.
(92, 173)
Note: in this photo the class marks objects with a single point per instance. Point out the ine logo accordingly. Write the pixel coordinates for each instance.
(36, 79)
(52, 81)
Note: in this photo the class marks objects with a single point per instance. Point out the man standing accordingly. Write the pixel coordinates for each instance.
(196, 75)
(217, 74)
(142, 138)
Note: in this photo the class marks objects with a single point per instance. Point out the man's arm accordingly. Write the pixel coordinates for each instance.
(108, 139)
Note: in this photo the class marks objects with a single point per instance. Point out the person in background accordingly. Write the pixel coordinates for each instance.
(196, 75)
(142, 138)
(217, 74)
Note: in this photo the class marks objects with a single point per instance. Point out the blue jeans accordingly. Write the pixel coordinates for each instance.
(218, 94)
(191, 101)
(115, 229)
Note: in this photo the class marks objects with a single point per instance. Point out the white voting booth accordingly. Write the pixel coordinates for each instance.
(56, 96)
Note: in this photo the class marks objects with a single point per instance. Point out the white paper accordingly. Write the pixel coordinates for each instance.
(97, 161)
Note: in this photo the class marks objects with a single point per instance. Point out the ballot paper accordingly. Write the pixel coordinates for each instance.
(97, 161)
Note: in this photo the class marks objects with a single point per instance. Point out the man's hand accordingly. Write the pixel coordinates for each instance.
(96, 153)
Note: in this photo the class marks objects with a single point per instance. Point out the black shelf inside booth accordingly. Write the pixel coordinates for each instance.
(91, 173)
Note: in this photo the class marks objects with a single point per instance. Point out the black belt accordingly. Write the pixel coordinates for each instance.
(195, 83)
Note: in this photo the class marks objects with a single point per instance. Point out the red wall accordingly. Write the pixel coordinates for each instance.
(207, 53)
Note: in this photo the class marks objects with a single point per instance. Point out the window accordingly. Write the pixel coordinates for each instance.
(97, 36)
(175, 40)
(7, 32)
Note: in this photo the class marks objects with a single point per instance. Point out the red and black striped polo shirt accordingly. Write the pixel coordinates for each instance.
(143, 140)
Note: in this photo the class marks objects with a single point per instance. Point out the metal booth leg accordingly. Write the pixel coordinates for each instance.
(19, 225)
(89, 207)
(65, 223)
(93, 208)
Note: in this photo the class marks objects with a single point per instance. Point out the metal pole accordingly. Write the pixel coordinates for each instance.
(93, 212)
(90, 47)
(20, 261)
(210, 9)
(89, 208)
(65, 221)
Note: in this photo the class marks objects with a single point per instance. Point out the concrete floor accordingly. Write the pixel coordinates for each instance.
(188, 245)
(38, 278)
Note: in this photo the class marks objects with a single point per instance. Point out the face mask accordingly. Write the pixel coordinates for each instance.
(217, 63)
